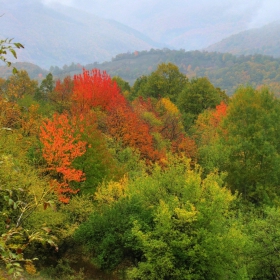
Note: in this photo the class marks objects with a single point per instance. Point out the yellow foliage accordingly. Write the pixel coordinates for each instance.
(168, 106)
(9, 114)
(30, 268)
(111, 192)
(31, 121)
(187, 216)
(19, 85)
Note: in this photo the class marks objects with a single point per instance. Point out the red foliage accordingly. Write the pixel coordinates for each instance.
(61, 145)
(95, 89)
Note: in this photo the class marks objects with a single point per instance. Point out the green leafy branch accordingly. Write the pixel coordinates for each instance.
(6, 47)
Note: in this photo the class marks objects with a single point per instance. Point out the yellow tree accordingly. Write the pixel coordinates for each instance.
(19, 85)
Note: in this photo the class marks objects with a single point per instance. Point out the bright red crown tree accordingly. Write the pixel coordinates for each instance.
(95, 89)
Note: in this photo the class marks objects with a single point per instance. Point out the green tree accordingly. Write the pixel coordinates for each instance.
(171, 224)
(252, 127)
(139, 87)
(97, 162)
(46, 88)
(166, 81)
(198, 95)
(122, 84)
(207, 132)
(263, 246)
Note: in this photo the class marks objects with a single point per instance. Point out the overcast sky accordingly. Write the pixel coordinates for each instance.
(130, 12)
(187, 24)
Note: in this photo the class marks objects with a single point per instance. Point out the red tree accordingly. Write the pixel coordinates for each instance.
(95, 89)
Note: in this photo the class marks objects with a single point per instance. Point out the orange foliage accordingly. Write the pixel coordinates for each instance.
(165, 118)
(31, 121)
(61, 145)
(186, 146)
(141, 107)
(62, 93)
(208, 125)
(10, 114)
(219, 114)
(125, 126)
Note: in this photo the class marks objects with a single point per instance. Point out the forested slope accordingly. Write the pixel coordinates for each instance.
(225, 71)
(169, 179)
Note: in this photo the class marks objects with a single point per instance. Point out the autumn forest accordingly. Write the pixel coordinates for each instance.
(169, 178)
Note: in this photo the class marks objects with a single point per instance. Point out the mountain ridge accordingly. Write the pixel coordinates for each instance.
(58, 35)
(225, 71)
(264, 40)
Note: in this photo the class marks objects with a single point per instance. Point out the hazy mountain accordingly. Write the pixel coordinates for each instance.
(185, 24)
(34, 71)
(58, 35)
(264, 40)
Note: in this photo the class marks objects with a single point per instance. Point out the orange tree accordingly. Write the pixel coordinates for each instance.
(61, 146)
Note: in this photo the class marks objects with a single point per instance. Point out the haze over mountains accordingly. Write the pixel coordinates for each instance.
(87, 31)
(182, 23)
(57, 35)
(264, 40)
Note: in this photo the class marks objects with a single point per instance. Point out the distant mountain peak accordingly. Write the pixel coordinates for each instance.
(264, 40)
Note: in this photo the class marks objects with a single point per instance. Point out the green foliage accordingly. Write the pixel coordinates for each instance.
(140, 87)
(21, 193)
(97, 162)
(107, 235)
(64, 220)
(122, 84)
(6, 47)
(127, 159)
(46, 88)
(252, 144)
(172, 223)
(211, 152)
(63, 270)
(166, 81)
(195, 234)
(198, 95)
(225, 71)
(263, 247)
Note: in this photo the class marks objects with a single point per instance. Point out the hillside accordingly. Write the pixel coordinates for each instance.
(58, 35)
(264, 40)
(34, 71)
(225, 71)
